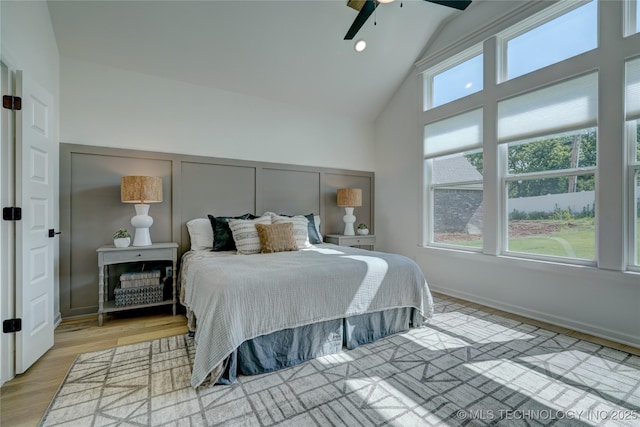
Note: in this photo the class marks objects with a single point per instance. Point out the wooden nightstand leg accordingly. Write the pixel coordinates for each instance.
(104, 276)
(174, 285)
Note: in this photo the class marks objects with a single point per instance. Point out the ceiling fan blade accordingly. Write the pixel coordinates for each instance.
(367, 9)
(456, 4)
(370, 6)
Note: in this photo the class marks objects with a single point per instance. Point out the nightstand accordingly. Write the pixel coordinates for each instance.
(357, 240)
(136, 256)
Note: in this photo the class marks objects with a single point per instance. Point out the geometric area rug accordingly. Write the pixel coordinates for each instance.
(466, 367)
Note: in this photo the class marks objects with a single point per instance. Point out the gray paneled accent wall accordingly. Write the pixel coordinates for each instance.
(289, 192)
(364, 213)
(193, 186)
(213, 188)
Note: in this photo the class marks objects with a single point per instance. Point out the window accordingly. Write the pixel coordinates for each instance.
(635, 258)
(632, 17)
(457, 82)
(632, 107)
(453, 168)
(550, 139)
(454, 79)
(550, 167)
(551, 204)
(561, 37)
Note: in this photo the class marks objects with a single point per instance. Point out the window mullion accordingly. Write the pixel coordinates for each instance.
(611, 194)
(427, 217)
(491, 171)
(456, 184)
(551, 174)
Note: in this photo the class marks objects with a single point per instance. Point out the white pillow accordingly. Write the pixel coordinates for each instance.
(200, 234)
(300, 228)
(245, 234)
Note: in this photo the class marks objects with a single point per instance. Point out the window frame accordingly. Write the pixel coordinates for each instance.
(534, 21)
(633, 169)
(510, 177)
(630, 18)
(429, 74)
(429, 187)
(615, 210)
(430, 200)
(632, 121)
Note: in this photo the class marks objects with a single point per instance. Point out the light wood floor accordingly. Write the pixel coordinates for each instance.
(24, 400)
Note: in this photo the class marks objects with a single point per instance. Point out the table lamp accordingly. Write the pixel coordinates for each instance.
(141, 190)
(348, 198)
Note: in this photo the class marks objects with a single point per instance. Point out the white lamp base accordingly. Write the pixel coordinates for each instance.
(348, 219)
(142, 221)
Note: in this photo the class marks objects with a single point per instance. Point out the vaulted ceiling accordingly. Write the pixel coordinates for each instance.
(287, 51)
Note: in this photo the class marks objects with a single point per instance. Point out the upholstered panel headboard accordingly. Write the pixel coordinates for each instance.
(193, 186)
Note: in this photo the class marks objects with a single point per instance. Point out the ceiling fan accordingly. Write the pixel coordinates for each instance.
(367, 7)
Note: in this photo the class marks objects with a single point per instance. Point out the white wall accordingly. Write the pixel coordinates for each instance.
(28, 44)
(398, 154)
(601, 302)
(112, 107)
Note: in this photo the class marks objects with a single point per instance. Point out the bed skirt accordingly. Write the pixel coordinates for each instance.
(290, 347)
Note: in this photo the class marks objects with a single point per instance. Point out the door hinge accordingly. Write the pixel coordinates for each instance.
(12, 102)
(12, 214)
(11, 325)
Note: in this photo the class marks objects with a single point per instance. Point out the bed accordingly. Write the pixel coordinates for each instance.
(257, 313)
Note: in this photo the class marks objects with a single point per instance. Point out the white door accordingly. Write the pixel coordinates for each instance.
(34, 247)
(7, 228)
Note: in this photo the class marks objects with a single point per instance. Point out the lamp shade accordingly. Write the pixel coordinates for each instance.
(141, 189)
(349, 197)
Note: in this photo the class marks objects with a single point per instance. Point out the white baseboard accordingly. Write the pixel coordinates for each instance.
(625, 339)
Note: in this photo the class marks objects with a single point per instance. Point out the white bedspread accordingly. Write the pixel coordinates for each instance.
(239, 297)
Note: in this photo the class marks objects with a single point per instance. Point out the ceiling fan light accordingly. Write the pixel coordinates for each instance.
(360, 45)
(385, 1)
